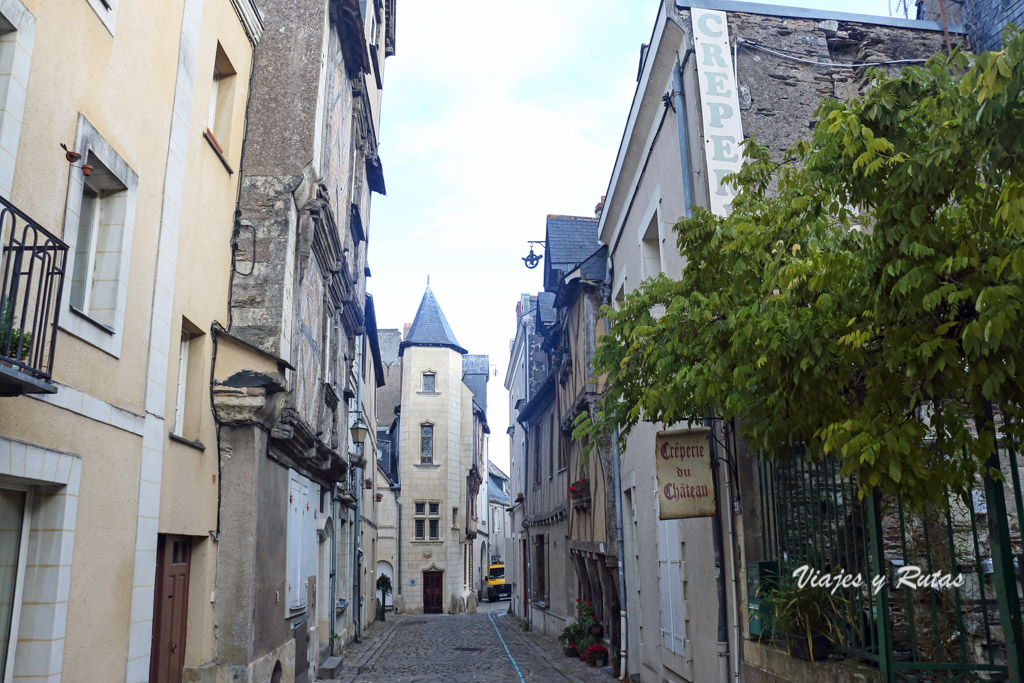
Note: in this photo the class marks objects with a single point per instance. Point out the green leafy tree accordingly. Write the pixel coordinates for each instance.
(865, 295)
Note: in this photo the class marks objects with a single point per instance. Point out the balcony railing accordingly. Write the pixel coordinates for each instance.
(31, 281)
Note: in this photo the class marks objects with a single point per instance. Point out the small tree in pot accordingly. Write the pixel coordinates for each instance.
(384, 586)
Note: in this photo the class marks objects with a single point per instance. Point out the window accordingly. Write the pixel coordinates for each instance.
(536, 455)
(551, 446)
(650, 247)
(14, 520)
(672, 586)
(426, 444)
(97, 264)
(17, 27)
(455, 518)
(428, 382)
(428, 521)
(189, 385)
(562, 447)
(540, 585)
(302, 539)
(99, 220)
(222, 91)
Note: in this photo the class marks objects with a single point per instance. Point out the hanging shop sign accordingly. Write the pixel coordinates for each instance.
(685, 487)
(719, 104)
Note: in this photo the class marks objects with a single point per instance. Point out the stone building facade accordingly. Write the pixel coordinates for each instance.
(442, 431)
(787, 60)
(297, 361)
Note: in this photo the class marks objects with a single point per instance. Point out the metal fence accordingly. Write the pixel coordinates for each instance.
(810, 514)
(31, 280)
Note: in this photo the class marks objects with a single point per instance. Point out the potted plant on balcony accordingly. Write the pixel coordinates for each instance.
(14, 343)
(810, 620)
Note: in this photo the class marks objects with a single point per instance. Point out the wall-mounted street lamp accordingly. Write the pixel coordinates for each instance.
(359, 429)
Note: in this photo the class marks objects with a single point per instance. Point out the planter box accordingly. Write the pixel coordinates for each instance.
(818, 649)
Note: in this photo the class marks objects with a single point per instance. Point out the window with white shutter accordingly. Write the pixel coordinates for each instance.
(300, 514)
(670, 576)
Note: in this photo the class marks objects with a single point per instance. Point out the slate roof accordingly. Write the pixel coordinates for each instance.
(595, 268)
(389, 341)
(494, 492)
(569, 240)
(474, 376)
(430, 327)
(546, 312)
(495, 471)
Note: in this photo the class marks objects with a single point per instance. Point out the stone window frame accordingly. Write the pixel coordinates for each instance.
(427, 458)
(17, 37)
(433, 383)
(107, 338)
(427, 512)
(54, 478)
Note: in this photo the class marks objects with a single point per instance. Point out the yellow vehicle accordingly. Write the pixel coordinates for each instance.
(496, 586)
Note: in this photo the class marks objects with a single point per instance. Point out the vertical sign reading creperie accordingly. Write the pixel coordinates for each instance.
(685, 487)
(719, 102)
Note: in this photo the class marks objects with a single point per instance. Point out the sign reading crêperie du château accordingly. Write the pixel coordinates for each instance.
(684, 474)
(719, 104)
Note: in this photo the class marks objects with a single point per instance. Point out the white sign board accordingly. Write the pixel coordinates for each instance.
(719, 104)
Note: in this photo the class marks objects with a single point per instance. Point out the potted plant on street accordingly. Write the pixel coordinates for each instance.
(584, 645)
(808, 619)
(596, 654)
(384, 586)
(569, 637)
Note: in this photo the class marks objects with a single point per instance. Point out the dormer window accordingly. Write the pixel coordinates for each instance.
(428, 382)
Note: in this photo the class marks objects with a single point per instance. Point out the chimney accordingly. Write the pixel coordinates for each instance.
(405, 331)
(599, 209)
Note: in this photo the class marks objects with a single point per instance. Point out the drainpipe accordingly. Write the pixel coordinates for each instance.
(606, 298)
(623, 633)
(526, 479)
(398, 499)
(332, 595)
(684, 138)
(716, 538)
(357, 531)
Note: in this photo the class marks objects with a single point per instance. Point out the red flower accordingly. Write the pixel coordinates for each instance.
(595, 618)
(577, 599)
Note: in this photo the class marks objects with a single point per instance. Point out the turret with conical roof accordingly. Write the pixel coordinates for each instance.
(430, 327)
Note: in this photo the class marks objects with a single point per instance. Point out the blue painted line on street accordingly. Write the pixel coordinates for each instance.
(511, 659)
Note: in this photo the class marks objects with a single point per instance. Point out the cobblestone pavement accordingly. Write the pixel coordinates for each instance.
(462, 648)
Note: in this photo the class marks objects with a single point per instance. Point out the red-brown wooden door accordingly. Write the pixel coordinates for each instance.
(432, 603)
(170, 609)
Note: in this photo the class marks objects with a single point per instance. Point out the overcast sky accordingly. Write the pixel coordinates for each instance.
(495, 115)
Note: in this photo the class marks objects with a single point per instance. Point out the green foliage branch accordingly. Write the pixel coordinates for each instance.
(864, 297)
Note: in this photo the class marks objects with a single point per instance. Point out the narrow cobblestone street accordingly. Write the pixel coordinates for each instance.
(460, 649)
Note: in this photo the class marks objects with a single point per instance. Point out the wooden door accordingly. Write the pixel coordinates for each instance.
(170, 609)
(432, 603)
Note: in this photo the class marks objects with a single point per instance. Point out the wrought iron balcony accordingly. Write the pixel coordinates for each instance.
(31, 281)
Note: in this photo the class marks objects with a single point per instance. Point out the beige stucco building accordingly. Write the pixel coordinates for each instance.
(108, 459)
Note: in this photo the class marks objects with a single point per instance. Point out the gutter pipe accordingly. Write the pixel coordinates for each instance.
(357, 530)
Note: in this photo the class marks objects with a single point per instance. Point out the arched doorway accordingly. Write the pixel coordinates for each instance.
(384, 568)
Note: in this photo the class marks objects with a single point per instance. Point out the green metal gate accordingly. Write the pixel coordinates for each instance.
(810, 514)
